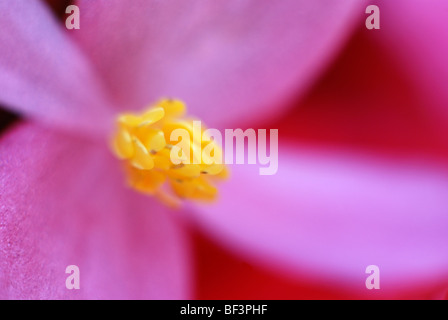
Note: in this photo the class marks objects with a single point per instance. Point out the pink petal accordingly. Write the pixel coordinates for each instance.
(229, 60)
(222, 274)
(416, 33)
(63, 203)
(330, 215)
(43, 74)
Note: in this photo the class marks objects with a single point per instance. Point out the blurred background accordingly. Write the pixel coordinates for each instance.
(368, 101)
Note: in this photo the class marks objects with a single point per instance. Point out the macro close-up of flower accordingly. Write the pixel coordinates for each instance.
(85, 172)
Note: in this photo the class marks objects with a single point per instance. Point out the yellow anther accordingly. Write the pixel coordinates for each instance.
(147, 181)
(169, 126)
(129, 120)
(149, 117)
(155, 140)
(142, 159)
(122, 144)
(152, 115)
(169, 170)
(183, 171)
(172, 107)
(213, 169)
(163, 161)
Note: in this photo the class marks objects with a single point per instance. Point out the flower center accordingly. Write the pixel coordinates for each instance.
(143, 143)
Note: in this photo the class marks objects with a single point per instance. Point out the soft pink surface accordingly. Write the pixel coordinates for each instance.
(63, 202)
(230, 61)
(416, 32)
(44, 75)
(333, 213)
(328, 213)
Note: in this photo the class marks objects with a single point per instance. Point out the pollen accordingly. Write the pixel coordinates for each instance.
(172, 171)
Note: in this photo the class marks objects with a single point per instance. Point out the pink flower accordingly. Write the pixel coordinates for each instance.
(370, 175)
(328, 213)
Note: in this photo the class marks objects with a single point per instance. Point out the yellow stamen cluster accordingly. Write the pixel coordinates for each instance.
(142, 141)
